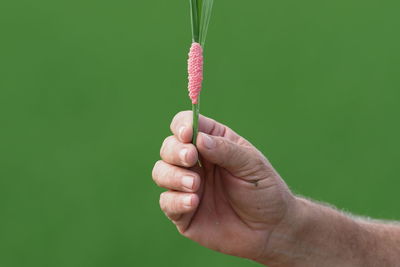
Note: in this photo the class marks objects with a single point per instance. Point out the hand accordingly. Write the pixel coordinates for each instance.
(233, 202)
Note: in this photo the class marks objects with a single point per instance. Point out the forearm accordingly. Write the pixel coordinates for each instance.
(317, 235)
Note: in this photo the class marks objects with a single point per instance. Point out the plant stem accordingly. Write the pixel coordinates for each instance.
(196, 114)
(199, 30)
(196, 7)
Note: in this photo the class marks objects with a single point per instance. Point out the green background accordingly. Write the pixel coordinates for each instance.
(88, 89)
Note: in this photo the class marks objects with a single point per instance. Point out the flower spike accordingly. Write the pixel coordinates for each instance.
(195, 71)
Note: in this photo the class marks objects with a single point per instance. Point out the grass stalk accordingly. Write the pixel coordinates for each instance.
(200, 17)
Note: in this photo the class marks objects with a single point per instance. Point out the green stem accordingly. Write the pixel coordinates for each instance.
(196, 6)
(196, 114)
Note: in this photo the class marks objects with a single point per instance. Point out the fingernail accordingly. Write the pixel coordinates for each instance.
(180, 132)
(188, 181)
(182, 155)
(187, 201)
(209, 143)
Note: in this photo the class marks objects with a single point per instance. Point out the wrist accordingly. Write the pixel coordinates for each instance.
(316, 235)
(283, 239)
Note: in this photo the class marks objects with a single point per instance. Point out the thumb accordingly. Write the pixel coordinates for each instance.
(221, 151)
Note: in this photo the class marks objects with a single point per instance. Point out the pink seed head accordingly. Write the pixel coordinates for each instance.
(195, 71)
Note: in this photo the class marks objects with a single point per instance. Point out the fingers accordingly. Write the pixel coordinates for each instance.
(175, 178)
(236, 158)
(175, 205)
(177, 153)
(181, 127)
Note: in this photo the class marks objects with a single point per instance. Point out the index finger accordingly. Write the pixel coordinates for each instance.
(182, 127)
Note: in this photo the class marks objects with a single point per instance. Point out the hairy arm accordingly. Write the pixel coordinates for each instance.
(314, 234)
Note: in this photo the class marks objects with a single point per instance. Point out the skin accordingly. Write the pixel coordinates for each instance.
(237, 204)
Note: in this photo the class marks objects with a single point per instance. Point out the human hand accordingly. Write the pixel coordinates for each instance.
(233, 202)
